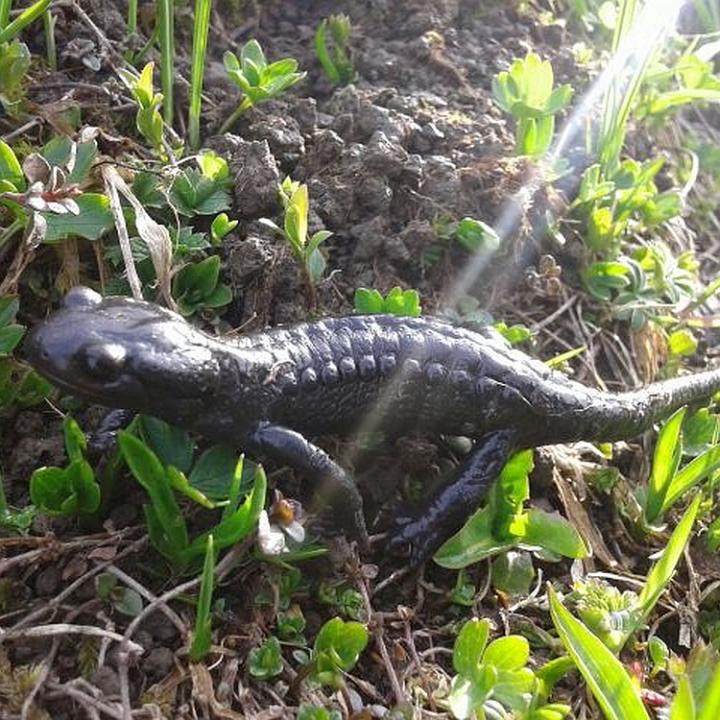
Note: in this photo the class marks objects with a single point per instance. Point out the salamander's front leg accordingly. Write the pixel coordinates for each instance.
(425, 530)
(335, 489)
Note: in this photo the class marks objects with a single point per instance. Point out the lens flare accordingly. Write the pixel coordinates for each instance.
(651, 27)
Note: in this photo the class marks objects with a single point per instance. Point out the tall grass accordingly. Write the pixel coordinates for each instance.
(197, 73)
(166, 19)
(30, 14)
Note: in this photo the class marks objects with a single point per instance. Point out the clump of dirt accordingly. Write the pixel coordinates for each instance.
(413, 144)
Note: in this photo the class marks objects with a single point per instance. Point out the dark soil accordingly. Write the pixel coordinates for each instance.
(414, 143)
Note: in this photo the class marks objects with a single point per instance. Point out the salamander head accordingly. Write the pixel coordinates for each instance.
(125, 353)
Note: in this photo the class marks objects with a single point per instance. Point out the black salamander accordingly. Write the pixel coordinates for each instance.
(268, 392)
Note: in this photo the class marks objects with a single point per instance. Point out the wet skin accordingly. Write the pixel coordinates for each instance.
(268, 392)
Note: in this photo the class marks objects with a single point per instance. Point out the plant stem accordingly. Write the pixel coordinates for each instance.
(167, 55)
(197, 73)
(244, 105)
(49, 23)
(132, 16)
(3, 499)
(22, 20)
(4, 13)
(10, 230)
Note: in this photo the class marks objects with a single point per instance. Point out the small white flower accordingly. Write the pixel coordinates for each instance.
(270, 538)
(287, 516)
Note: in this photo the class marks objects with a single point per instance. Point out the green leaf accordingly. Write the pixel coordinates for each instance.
(316, 265)
(609, 682)
(10, 336)
(171, 444)
(86, 491)
(128, 602)
(105, 583)
(266, 661)
(368, 301)
(402, 303)
(9, 305)
(682, 343)
(296, 215)
(552, 532)
(202, 637)
(230, 61)
(57, 150)
(75, 442)
(221, 226)
(20, 22)
(666, 459)
(93, 221)
(148, 471)
(49, 488)
(469, 646)
(213, 472)
(695, 471)
(700, 430)
(474, 542)
(710, 709)
(475, 235)
(253, 53)
(513, 573)
(467, 696)
(219, 297)
(85, 154)
(235, 527)
(662, 571)
(342, 641)
(144, 90)
(181, 484)
(213, 166)
(192, 193)
(508, 653)
(10, 169)
(683, 705)
(601, 229)
(150, 125)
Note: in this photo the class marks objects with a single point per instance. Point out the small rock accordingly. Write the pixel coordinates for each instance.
(384, 157)
(106, 679)
(255, 172)
(247, 258)
(397, 251)
(306, 114)
(369, 238)
(158, 662)
(47, 581)
(327, 147)
(143, 638)
(283, 136)
(374, 194)
(161, 628)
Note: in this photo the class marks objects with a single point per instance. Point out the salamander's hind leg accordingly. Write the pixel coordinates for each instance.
(335, 490)
(425, 530)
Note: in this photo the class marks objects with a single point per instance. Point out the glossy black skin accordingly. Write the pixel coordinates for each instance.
(267, 391)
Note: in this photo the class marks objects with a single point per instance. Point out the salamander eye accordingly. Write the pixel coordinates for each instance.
(104, 362)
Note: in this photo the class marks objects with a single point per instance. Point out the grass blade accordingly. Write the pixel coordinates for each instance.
(603, 672)
(166, 11)
(5, 6)
(132, 16)
(202, 637)
(662, 571)
(690, 475)
(665, 463)
(148, 471)
(197, 73)
(27, 16)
